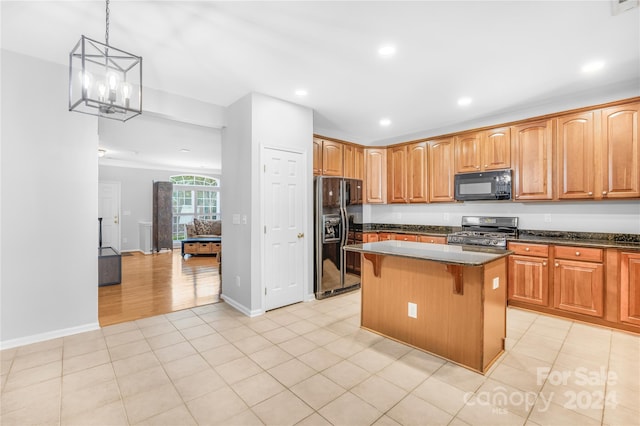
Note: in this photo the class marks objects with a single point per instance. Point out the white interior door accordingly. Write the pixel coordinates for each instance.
(285, 251)
(109, 211)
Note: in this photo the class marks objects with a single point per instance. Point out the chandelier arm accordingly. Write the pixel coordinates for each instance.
(106, 32)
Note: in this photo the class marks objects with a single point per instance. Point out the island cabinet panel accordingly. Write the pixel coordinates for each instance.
(441, 170)
(621, 157)
(467, 328)
(533, 160)
(575, 152)
(630, 287)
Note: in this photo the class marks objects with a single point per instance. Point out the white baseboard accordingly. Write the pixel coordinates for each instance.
(41, 337)
(237, 306)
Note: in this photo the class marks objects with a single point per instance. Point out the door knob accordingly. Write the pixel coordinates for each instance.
(300, 235)
(115, 219)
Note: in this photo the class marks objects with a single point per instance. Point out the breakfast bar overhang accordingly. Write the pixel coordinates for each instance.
(444, 299)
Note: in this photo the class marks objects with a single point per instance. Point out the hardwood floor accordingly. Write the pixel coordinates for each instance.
(157, 284)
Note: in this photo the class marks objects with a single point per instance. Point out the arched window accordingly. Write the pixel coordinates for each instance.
(194, 196)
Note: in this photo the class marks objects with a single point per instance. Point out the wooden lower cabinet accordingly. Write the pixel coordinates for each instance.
(529, 273)
(594, 285)
(406, 237)
(529, 279)
(579, 287)
(630, 288)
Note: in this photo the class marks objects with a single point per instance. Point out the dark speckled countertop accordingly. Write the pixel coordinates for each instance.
(586, 239)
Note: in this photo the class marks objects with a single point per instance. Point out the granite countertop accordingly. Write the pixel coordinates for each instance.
(584, 239)
(443, 253)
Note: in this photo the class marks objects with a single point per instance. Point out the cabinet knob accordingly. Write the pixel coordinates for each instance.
(486, 165)
(590, 193)
(544, 263)
(577, 253)
(557, 264)
(604, 192)
(527, 249)
(431, 241)
(477, 167)
(517, 195)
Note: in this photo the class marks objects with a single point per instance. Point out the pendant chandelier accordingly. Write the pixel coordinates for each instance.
(103, 80)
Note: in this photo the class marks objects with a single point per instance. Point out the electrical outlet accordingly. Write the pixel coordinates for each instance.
(237, 281)
(445, 217)
(547, 218)
(496, 283)
(413, 310)
(124, 240)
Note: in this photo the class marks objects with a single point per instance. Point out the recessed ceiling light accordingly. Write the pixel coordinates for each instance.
(301, 92)
(185, 150)
(464, 101)
(387, 50)
(593, 66)
(385, 122)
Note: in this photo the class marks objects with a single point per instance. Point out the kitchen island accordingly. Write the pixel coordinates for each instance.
(444, 299)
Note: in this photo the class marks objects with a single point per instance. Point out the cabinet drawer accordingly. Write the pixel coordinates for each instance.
(384, 236)
(405, 237)
(370, 237)
(191, 248)
(204, 247)
(540, 250)
(215, 247)
(578, 253)
(432, 240)
(358, 237)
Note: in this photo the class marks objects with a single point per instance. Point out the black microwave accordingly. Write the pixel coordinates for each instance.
(493, 185)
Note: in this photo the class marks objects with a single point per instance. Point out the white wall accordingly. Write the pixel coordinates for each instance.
(587, 216)
(49, 182)
(254, 122)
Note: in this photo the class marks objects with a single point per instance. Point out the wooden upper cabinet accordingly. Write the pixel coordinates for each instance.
(417, 173)
(332, 158)
(348, 163)
(375, 179)
(441, 170)
(317, 156)
(486, 150)
(575, 153)
(532, 153)
(496, 149)
(467, 155)
(397, 174)
(620, 151)
(358, 162)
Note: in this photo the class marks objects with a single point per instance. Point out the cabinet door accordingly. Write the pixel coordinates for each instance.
(348, 161)
(496, 149)
(417, 174)
(317, 156)
(441, 170)
(575, 166)
(528, 279)
(397, 174)
(358, 163)
(467, 155)
(375, 181)
(579, 287)
(630, 288)
(533, 146)
(370, 237)
(621, 156)
(332, 158)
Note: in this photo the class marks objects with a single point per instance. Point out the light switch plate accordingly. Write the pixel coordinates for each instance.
(496, 282)
(235, 218)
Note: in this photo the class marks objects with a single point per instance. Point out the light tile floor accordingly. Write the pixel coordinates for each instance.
(311, 364)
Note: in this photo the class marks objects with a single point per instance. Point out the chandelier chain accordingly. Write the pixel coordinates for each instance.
(106, 33)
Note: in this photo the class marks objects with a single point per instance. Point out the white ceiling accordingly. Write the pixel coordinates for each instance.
(506, 55)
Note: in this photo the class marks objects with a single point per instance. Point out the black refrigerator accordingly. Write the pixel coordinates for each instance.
(338, 218)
